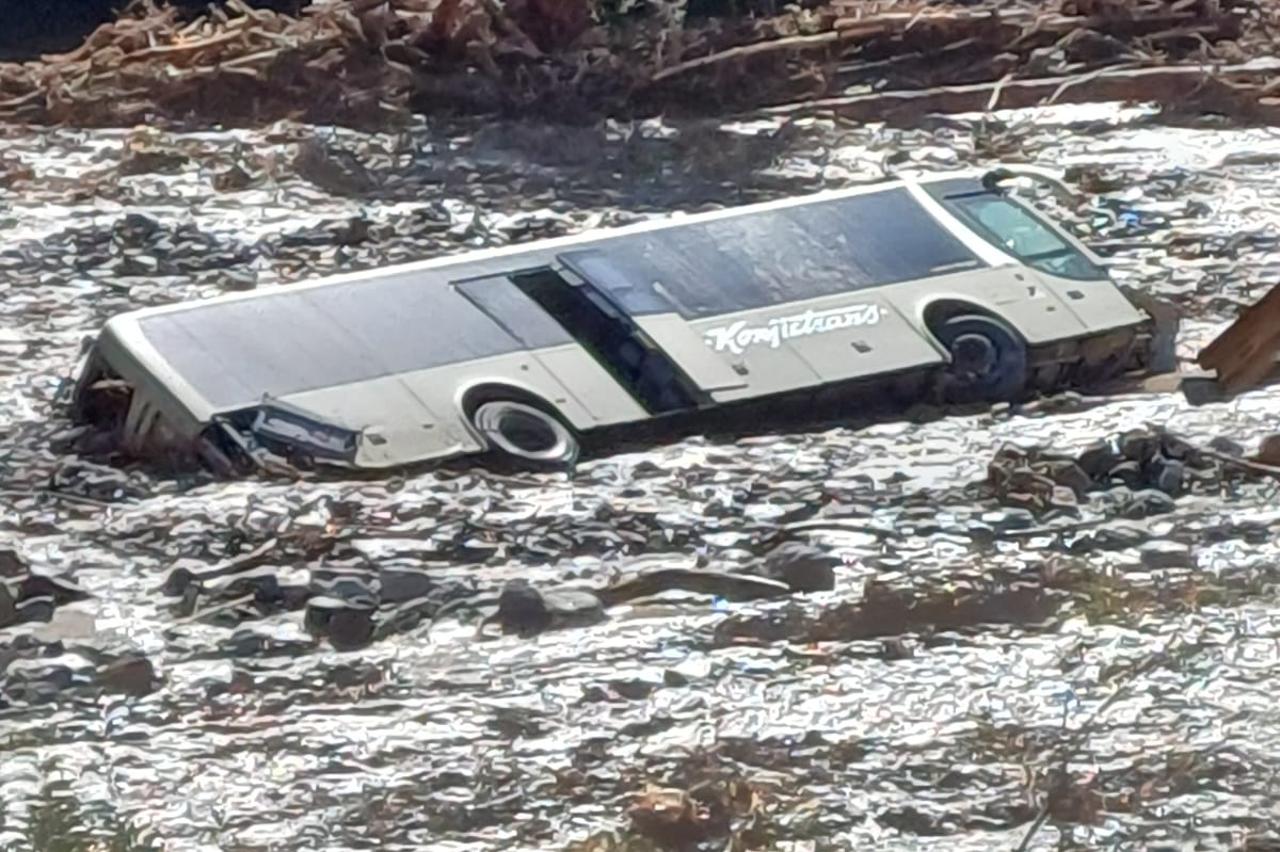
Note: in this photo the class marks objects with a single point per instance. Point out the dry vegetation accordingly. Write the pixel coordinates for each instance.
(374, 62)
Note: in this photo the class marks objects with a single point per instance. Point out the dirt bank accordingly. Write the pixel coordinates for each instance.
(372, 63)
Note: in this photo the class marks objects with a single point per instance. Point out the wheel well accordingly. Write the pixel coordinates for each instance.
(938, 312)
(478, 395)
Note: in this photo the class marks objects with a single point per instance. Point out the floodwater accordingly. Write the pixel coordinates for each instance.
(1083, 688)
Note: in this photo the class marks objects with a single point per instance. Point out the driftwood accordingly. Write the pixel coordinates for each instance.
(1016, 28)
(1162, 85)
(1245, 353)
(373, 62)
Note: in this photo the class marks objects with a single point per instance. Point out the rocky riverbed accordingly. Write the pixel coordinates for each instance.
(1057, 621)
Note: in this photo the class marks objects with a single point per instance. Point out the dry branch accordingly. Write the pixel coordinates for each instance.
(1162, 85)
(368, 62)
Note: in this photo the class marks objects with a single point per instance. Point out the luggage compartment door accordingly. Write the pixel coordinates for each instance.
(839, 338)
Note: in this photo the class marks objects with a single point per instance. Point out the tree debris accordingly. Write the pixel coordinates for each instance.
(375, 62)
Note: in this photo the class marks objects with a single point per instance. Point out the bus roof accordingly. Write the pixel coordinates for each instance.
(233, 351)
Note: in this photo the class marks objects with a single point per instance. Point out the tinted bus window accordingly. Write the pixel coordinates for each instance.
(233, 352)
(770, 258)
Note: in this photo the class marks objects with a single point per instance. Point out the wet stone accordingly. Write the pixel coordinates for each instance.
(346, 624)
(1115, 536)
(1166, 554)
(1127, 473)
(37, 609)
(1009, 519)
(1147, 502)
(356, 589)
(524, 610)
(8, 607)
(801, 566)
(262, 583)
(1097, 459)
(11, 564)
(1138, 445)
(45, 676)
(1070, 475)
(636, 688)
(398, 585)
(131, 674)
(1063, 498)
(61, 587)
(178, 581)
(1226, 446)
(1167, 475)
(261, 642)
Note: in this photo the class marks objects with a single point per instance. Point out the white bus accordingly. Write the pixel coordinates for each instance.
(523, 350)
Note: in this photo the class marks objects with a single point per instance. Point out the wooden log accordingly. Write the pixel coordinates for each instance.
(1169, 85)
(1245, 353)
(1012, 26)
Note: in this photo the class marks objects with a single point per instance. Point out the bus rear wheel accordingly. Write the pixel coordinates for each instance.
(526, 434)
(988, 359)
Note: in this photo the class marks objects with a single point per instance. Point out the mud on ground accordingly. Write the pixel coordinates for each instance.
(1104, 664)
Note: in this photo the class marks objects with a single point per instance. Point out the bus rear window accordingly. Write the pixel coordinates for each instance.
(1017, 230)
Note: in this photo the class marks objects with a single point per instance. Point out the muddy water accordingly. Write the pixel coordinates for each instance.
(1136, 699)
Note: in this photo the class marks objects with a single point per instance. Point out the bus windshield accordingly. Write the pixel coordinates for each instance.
(1018, 231)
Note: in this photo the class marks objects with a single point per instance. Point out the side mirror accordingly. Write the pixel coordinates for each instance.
(992, 179)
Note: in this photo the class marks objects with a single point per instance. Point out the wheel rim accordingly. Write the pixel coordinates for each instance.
(988, 360)
(525, 432)
(974, 356)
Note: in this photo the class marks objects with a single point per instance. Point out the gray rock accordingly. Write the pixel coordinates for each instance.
(1167, 475)
(981, 533)
(1147, 502)
(801, 566)
(186, 605)
(1097, 459)
(1128, 473)
(1010, 519)
(8, 607)
(1179, 449)
(687, 671)
(11, 564)
(405, 616)
(1071, 475)
(637, 688)
(346, 624)
(526, 611)
(1166, 554)
(1139, 445)
(131, 674)
(41, 583)
(1115, 536)
(36, 609)
(262, 583)
(348, 587)
(55, 673)
(1063, 498)
(178, 581)
(398, 585)
(259, 641)
(1226, 446)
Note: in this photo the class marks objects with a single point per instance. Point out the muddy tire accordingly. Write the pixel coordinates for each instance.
(988, 359)
(525, 434)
